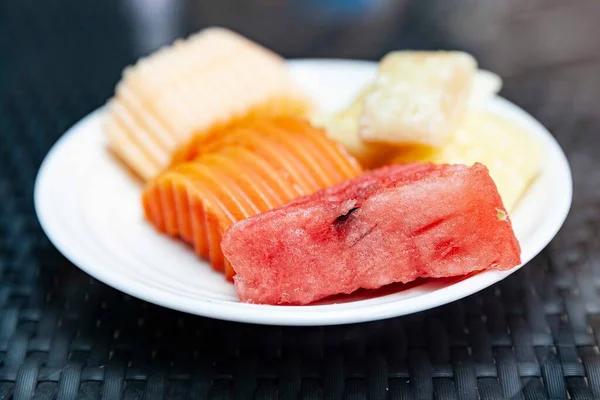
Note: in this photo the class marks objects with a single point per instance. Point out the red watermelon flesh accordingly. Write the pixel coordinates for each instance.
(394, 224)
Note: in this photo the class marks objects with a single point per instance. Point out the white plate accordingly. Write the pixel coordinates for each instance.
(90, 209)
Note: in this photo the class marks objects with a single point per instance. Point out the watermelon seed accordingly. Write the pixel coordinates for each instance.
(342, 218)
(501, 214)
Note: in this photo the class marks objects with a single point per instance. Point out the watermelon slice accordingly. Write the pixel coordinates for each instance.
(394, 224)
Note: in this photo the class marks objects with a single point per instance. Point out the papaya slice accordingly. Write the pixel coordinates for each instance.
(253, 167)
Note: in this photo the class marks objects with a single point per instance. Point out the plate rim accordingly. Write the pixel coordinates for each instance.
(287, 315)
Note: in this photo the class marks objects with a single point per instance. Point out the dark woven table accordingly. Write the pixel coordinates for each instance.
(64, 335)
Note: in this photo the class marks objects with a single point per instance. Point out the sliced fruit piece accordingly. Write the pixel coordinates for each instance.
(249, 169)
(343, 126)
(394, 224)
(191, 89)
(504, 147)
(418, 97)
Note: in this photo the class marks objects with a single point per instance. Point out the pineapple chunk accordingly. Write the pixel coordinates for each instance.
(506, 148)
(343, 125)
(417, 98)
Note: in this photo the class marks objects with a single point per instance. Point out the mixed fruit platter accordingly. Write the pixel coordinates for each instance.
(412, 179)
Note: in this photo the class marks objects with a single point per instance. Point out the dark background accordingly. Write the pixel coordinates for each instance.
(65, 335)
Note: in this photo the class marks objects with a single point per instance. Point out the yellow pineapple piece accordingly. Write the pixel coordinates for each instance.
(418, 97)
(506, 148)
(342, 126)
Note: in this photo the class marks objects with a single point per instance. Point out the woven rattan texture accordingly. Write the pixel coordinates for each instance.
(64, 335)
